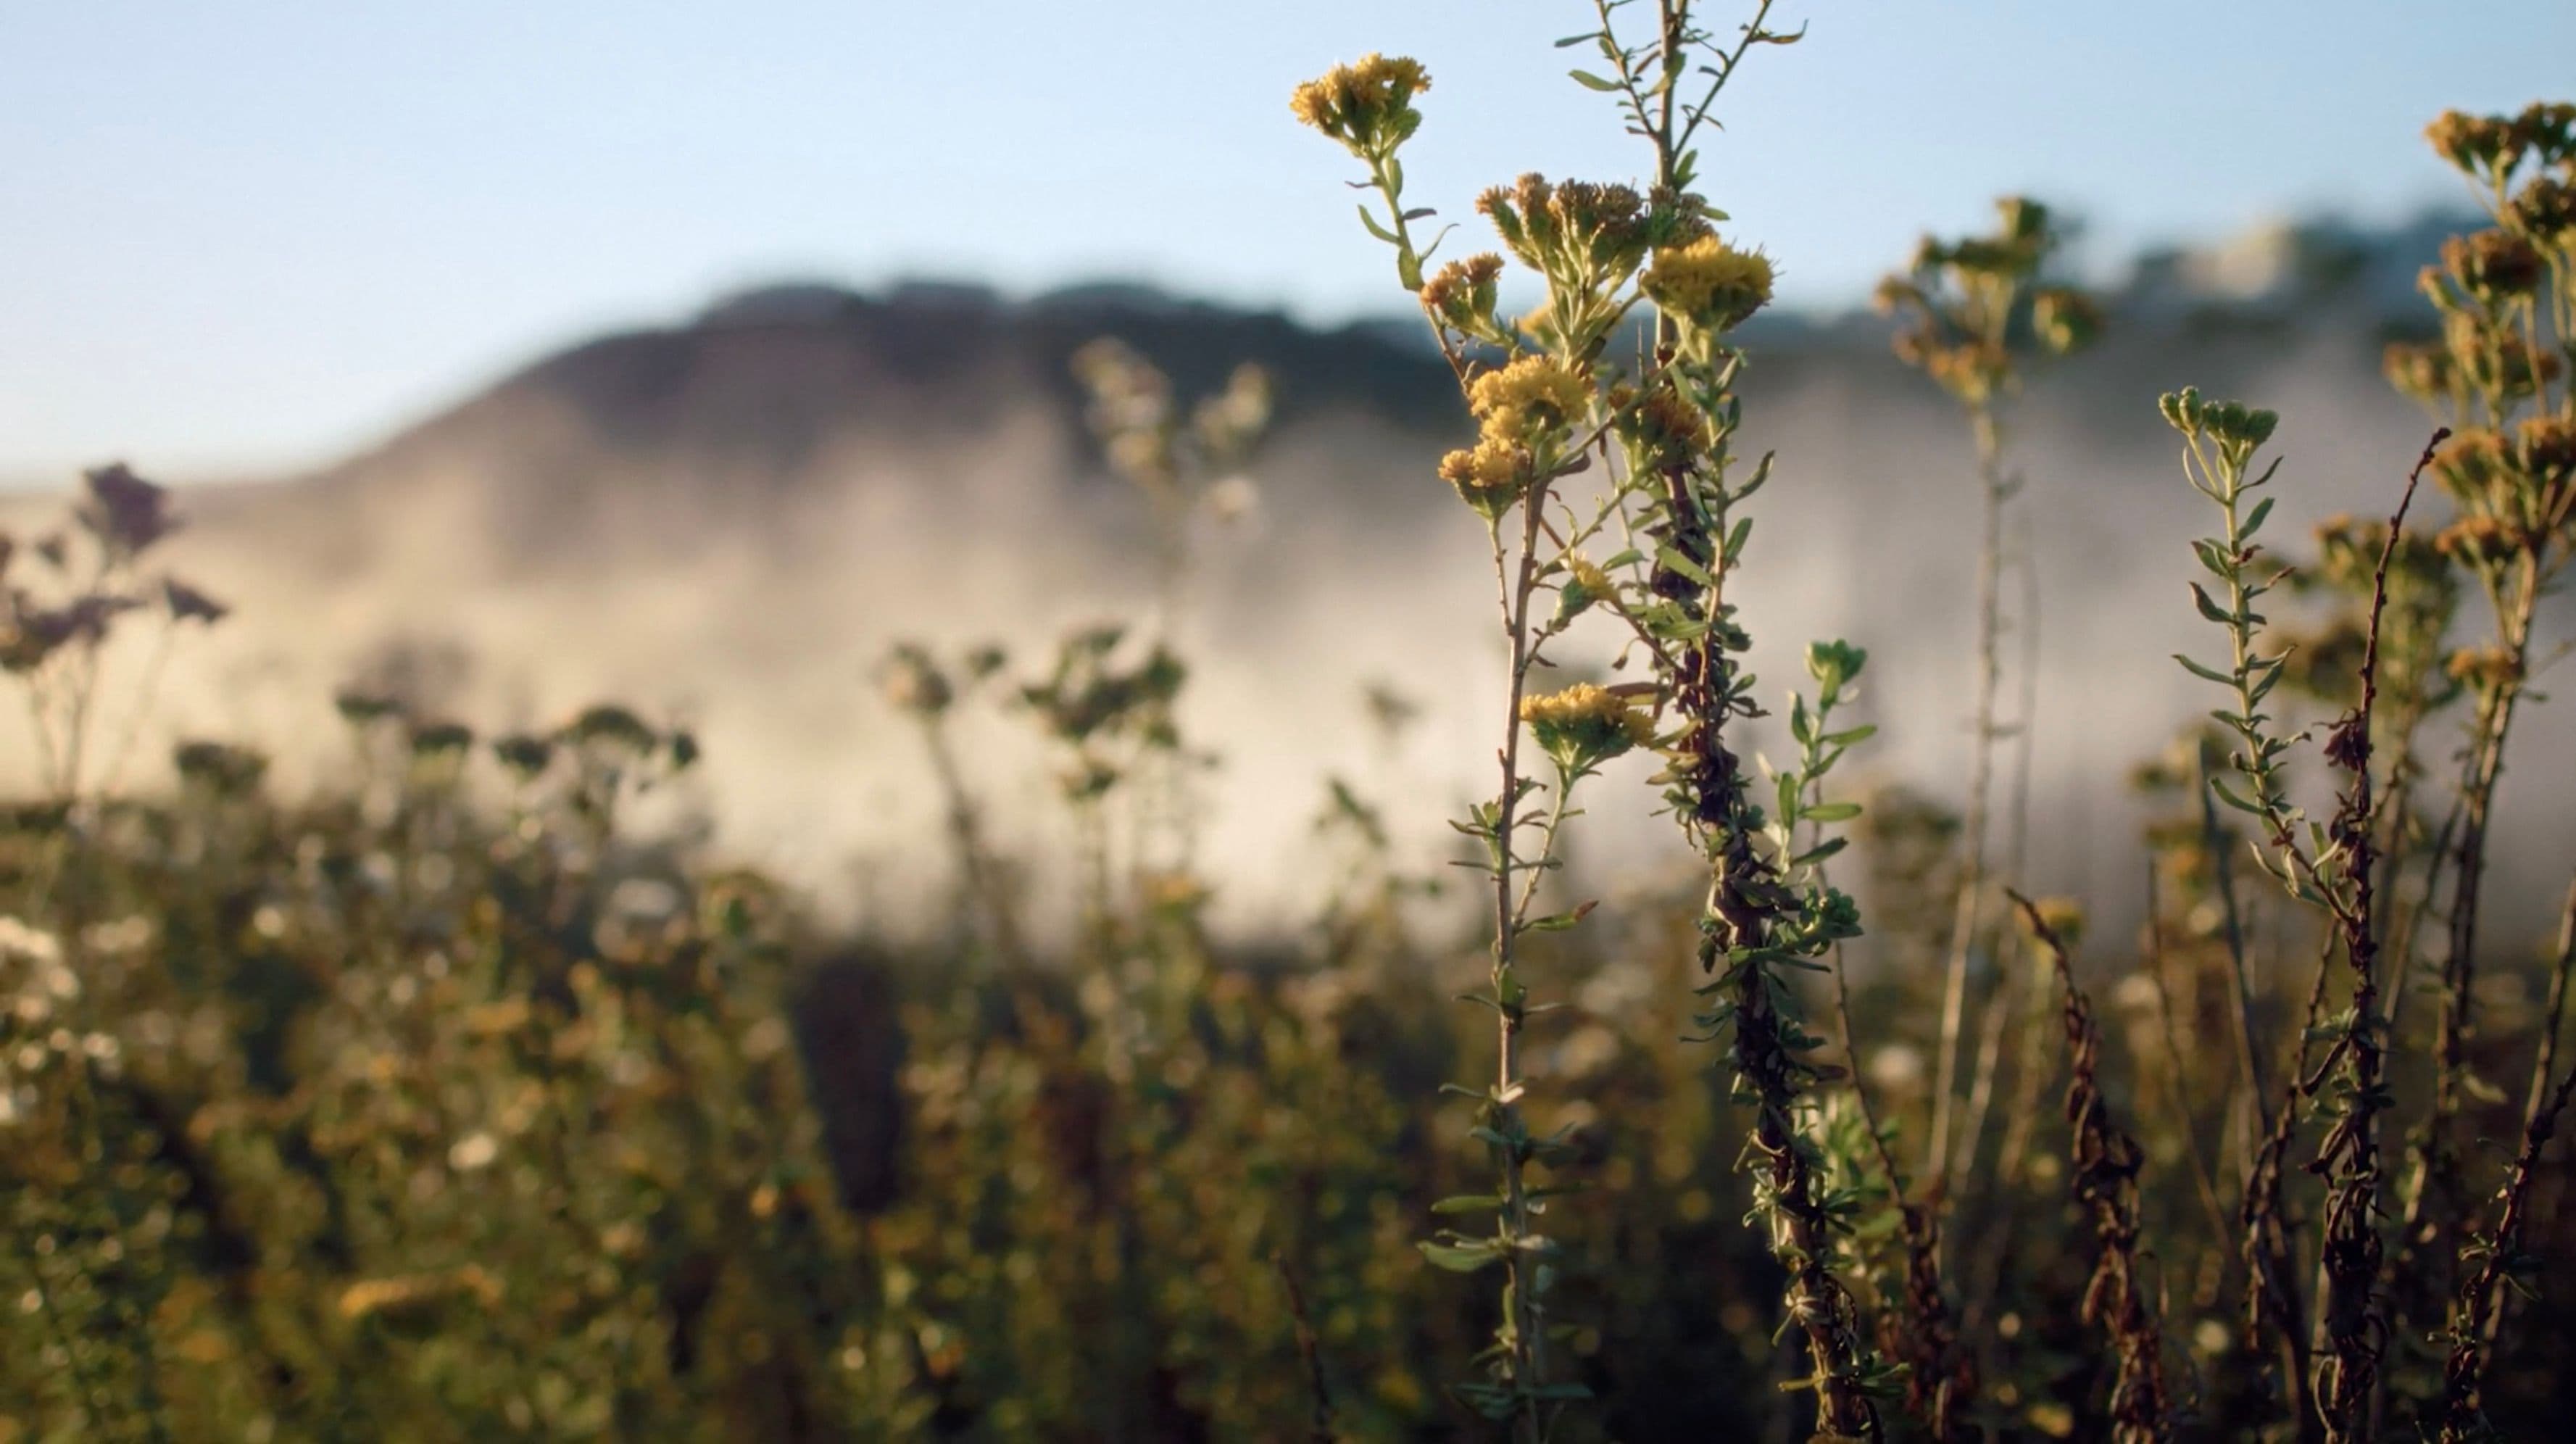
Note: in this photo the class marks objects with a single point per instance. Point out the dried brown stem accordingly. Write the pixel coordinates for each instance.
(2107, 1160)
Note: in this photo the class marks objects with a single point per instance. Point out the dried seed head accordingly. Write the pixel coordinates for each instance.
(2475, 144)
(2487, 669)
(2421, 371)
(2479, 540)
(124, 512)
(2065, 319)
(2493, 266)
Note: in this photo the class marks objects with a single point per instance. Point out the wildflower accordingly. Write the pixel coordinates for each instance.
(2548, 447)
(2420, 371)
(2474, 143)
(360, 708)
(523, 754)
(1709, 283)
(1368, 106)
(1569, 228)
(2545, 211)
(1585, 725)
(1664, 430)
(126, 513)
(2474, 466)
(1461, 294)
(609, 723)
(1527, 399)
(2232, 426)
(2493, 266)
(1585, 584)
(1489, 478)
(2066, 319)
(435, 738)
(2478, 540)
(2488, 668)
(220, 767)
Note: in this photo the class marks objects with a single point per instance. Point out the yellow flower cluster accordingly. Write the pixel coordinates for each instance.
(2488, 669)
(1529, 396)
(1488, 478)
(1585, 724)
(1366, 106)
(1709, 283)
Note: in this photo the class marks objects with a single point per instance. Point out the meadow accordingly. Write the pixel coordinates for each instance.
(455, 1097)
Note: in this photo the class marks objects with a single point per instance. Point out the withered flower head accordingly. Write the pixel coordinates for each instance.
(1460, 295)
(2475, 143)
(2065, 318)
(360, 707)
(435, 739)
(2474, 466)
(2548, 447)
(524, 754)
(610, 724)
(220, 767)
(124, 512)
(187, 604)
(2492, 265)
(2545, 210)
(2488, 668)
(914, 682)
(2478, 539)
(2421, 371)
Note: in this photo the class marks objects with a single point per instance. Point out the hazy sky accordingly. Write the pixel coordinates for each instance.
(245, 234)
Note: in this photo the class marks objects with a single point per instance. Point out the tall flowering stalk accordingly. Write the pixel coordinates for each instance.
(2332, 866)
(1553, 402)
(2498, 377)
(1536, 410)
(1972, 310)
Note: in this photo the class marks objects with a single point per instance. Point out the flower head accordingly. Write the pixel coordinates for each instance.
(1585, 725)
(2233, 426)
(1709, 283)
(1528, 398)
(1489, 477)
(1367, 106)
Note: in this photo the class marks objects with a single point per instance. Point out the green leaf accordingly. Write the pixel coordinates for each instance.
(2204, 673)
(1379, 231)
(1590, 81)
(1677, 562)
(1468, 1203)
(1559, 922)
(2228, 795)
(2211, 609)
(2262, 509)
(1833, 812)
(1456, 1259)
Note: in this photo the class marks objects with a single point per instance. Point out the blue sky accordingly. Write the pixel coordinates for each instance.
(247, 234)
